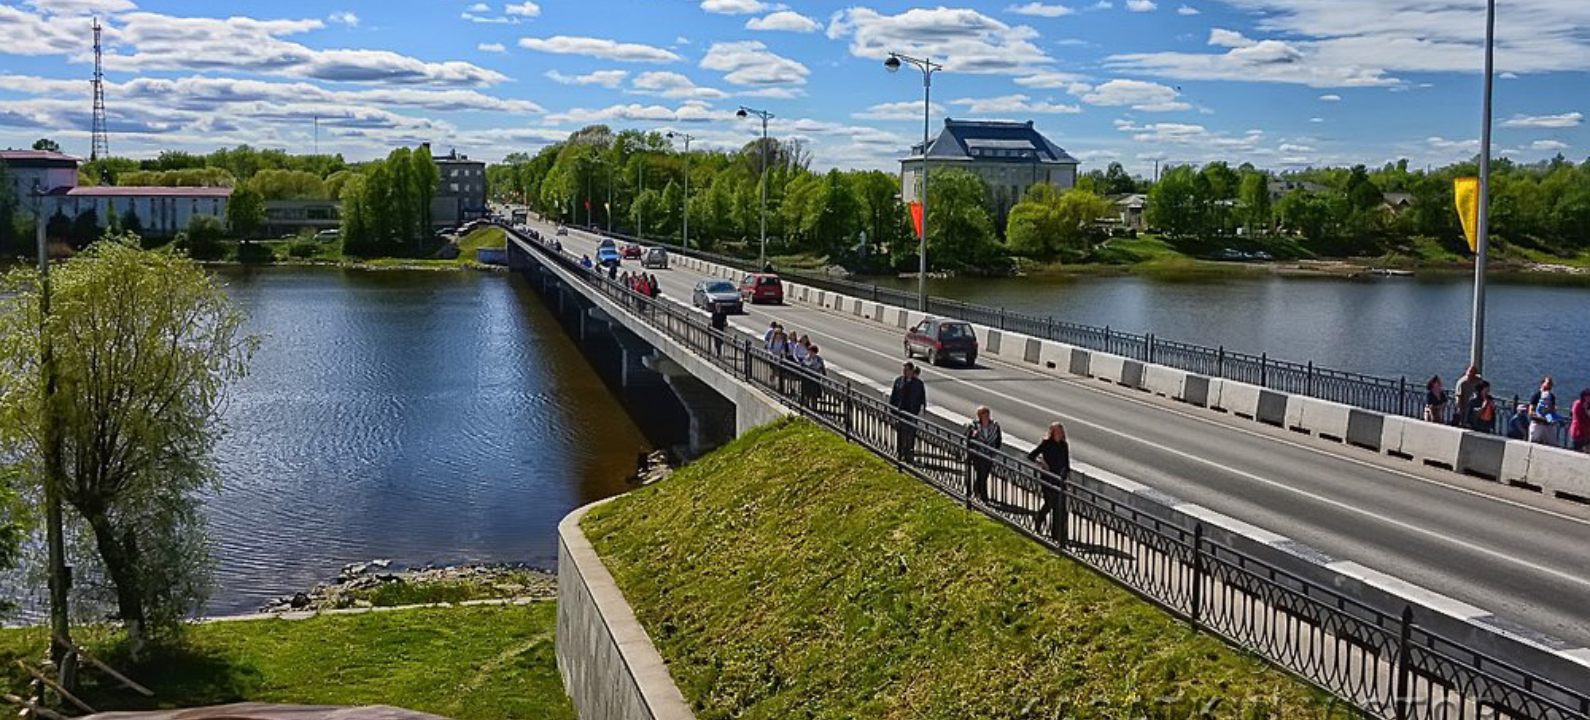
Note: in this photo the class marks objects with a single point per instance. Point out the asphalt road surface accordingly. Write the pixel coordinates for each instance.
(1521, 556)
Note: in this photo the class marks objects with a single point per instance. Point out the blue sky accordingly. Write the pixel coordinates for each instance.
(1279, 83)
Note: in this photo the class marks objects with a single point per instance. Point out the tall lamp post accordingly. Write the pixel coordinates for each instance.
(928, 67)
(687, 138)
(54, 466)
(766, 116)
(1482, 232)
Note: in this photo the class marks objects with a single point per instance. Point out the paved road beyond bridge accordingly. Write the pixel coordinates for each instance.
(1512, 552)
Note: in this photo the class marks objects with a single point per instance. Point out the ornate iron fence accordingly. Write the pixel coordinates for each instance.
(1386, 665)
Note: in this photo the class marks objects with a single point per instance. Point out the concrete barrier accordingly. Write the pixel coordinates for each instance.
(1052, 356)
(1108, 367)
(1365, 428)
(1080, 362)
(1032, 353)
(1195, 390)
(1319, 417)
(1481, 455)
(992, 340)
(1515, 462)
(1560, 472)
(1391, 433)
(1164, 381)
(1432, 444)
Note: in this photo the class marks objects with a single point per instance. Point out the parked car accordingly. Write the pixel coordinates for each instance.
(632, 251)
(762, 287)
(326, 236)
(718, 295)
(939, 340)
(607, 254)
(655, 258)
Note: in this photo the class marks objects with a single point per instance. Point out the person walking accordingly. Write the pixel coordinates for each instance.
(720, 323)
(1053, 454)
(778, 350)
(1434, 400)
(656, 287)
(767, 337)
(1579, 430)
(1543, 412)
(908, 397)
(983, 437)
(1481, 412)
(612, 271)
(799, 349)
(815, 368)
(1467, 387)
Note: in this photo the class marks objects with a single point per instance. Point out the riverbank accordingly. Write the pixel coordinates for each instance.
(791, 573)
(310, 253)
(485, 662)
(371, 584)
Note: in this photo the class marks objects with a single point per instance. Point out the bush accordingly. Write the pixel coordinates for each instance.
(254, 253)
(302, 248)
(202, 239)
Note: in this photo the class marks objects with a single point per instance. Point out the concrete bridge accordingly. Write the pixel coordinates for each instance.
(1392, 515)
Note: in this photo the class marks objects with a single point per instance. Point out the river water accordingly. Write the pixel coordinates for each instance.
(1389, 326)
(417, 416)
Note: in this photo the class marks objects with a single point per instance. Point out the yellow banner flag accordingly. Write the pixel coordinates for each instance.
(1466, 191)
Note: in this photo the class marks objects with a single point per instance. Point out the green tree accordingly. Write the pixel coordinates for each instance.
(85, 229)
(427, 178)
(245, 211)
(10, 241)
(960, 233)
(1254, 199)
(834, 215)
(1049, 221)
(1176, 203)
(145, 345)
(202, 238)
(47, 145)
(131, 223)
(1306, 212)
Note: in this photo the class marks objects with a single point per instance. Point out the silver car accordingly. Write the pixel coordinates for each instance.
(655, 257)
(718, 296)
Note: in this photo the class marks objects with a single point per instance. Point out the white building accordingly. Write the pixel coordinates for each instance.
(1009, 156)
(160, 210)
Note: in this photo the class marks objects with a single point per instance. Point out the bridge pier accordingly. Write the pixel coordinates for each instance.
(712, 416)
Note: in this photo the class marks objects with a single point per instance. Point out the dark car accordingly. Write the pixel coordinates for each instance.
(719, 296)
(762, 287)
(942, 339)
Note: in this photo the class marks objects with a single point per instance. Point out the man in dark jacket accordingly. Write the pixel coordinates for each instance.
(720, 322)
(908, 397)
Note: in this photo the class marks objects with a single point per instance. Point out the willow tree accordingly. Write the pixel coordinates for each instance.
(145, 345)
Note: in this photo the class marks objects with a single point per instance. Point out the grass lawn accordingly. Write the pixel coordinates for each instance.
(793, 575)
(470, 663)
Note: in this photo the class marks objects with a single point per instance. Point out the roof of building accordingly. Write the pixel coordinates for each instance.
(37, 156)
(142, 191)
(1397, 198)
(992, 141)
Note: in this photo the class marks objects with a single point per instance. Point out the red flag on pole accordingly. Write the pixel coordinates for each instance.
(916, 217)
(587, 205)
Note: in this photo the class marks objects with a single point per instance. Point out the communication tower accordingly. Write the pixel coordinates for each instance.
(101, 139)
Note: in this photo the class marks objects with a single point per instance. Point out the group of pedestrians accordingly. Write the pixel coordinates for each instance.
(792, 349)
(643, 284)
(1473, 407)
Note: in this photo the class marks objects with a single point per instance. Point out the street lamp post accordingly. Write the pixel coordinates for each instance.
(686, 209)
(766, 116)
(54, 465)
(1482, 232)
(928, 67)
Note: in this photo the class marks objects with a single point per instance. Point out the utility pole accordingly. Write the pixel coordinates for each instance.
(1482, 233)
(686, 209)
(765, 115)
(54, 466)
(928, 67)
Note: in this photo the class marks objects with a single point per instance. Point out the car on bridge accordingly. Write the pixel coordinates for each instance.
(632, 251)
(762, 287)
(655, 258)
(938, 340)
(607, 254)
(718, 296)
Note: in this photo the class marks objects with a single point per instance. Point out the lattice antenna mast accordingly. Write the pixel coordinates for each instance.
(101, 138)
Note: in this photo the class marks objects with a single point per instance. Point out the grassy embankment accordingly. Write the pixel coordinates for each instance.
(470, 663)
(793, 575)
(310, 252)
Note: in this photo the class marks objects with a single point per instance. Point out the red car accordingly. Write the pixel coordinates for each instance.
(632, 252)
(940, 339)
(762, 287)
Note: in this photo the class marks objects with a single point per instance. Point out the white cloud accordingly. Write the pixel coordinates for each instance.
(81, 7)
(599, 48)
(733, 7)
(1508, 76)
(904, 110)
(785, 20)
(1138, 94)
(1453, 147)
(605, 78)
(1141, 5)
(1228, 38)
(1072, 82)
(1316, 120)
(751, 63)
(1017, 104)
(344, 17)
(1186, 10)
(491, 48)
(524, 9)
(1292, 148)
(479, 8)
(1038, 9)
(963, 40)
(673, 85)
(1330, 97)
(1543, 145)
(688, 112)
(1565, 120)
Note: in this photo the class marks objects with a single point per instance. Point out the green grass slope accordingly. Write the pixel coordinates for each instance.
(791, 575)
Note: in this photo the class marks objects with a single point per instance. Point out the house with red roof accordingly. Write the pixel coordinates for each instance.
(50, 180)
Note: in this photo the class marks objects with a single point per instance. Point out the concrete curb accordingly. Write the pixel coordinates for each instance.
(609, 666)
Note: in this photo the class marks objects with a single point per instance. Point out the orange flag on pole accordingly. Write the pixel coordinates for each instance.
(1466, 192)
(916, 217)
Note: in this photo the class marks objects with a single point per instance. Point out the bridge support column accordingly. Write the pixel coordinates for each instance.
(712, 416)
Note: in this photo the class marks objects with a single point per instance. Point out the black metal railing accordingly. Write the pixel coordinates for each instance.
(1386, 664)
(1391, 396)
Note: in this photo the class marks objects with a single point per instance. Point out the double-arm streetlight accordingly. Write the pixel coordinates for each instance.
(746, 112)
(687, 138)
(928, 67)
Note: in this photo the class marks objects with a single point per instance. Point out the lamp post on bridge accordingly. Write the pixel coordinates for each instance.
(766, 116)
(1482, 217)
(686, 209)
(928, 67)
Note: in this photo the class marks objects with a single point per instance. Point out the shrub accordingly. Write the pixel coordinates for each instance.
(302, 248)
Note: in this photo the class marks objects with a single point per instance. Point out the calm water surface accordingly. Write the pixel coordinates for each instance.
(417, 416)
(1382, 326)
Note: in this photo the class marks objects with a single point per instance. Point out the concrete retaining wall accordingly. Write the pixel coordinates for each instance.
(610, 669)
